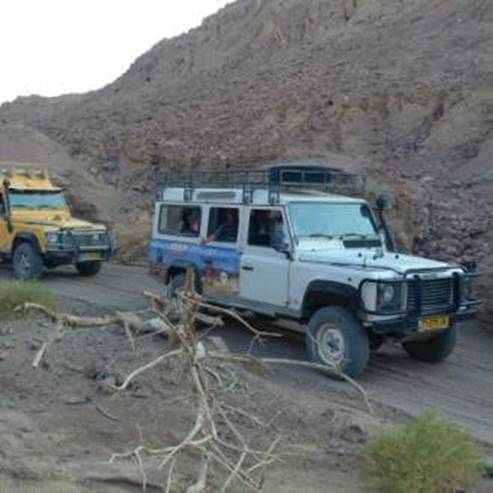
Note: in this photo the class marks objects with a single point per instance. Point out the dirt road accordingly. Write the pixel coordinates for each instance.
(462, 387)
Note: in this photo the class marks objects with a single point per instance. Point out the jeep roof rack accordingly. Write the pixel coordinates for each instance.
(275, 179)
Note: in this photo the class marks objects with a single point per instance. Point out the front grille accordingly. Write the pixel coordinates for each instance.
(89, 239)
(437, 295)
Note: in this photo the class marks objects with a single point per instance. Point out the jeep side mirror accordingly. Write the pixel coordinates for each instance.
(284, 249)
(383, 201)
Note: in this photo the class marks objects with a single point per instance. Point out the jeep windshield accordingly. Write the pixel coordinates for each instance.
(37, 199)
(350, 222)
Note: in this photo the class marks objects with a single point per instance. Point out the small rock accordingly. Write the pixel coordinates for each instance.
(154, 325)
(141, 394)
(77, 400)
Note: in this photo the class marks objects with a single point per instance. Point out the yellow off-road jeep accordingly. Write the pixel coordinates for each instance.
(37, 230)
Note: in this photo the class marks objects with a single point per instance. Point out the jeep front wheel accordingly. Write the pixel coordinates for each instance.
(88, 269)
(27, 262)
(336, 338)
(433, 350)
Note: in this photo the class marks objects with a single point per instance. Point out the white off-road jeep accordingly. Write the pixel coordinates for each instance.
(280, 242)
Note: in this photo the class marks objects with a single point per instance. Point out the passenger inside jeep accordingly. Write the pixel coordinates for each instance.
(191, 222)
(223, 225)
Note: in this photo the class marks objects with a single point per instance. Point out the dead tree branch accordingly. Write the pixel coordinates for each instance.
(213, 434)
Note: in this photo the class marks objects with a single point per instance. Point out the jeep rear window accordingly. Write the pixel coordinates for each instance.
(36, 199)
(180, 220)
(332, 220)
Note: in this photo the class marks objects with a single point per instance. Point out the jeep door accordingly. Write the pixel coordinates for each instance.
(220, 254)
(265, 262)
(4, 232)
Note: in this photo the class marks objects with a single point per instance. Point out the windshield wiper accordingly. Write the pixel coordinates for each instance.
(359, 236)
(51, 207)
(321, 235)
(353, 235)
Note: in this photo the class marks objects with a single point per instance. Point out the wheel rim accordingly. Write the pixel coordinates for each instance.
(331, 344)
(24, 265)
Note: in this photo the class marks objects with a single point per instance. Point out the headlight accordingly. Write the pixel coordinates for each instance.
(53, 238)
(465, 288)
(103, 238)
(387, 294)
(383, 296)
(388, 297)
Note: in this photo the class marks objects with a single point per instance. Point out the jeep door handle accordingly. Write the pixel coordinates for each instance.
(248, 267)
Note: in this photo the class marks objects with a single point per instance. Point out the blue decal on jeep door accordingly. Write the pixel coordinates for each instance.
(218, 266)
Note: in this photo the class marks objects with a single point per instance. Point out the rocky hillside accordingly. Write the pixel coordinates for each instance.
(402, 86)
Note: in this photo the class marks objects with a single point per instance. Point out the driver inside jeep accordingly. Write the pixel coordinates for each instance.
(278, 236)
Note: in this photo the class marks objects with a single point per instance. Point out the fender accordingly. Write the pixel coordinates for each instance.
(329, 289)
(182, 266)
(26, 237)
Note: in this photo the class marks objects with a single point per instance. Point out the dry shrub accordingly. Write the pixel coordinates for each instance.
(15, 294)
(485, 293)
(428, 454)
(132, 239)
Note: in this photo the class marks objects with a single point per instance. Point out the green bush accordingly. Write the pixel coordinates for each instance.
(426, 455)
(14, 294)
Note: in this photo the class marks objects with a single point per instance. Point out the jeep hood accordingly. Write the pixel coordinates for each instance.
(367, 259)
(54, 219)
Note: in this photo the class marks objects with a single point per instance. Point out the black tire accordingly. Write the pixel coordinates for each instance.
(376, 342)
(27, 262)
(345, 341)
(176, 283)
(88, 269)
(434, 350)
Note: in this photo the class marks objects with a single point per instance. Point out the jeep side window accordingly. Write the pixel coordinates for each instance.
(180, 220)
(223, 224)
(2, 206)
(267, 228)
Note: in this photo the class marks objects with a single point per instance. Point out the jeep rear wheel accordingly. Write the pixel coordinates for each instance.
(176, 284)
(433, 350)
(336, 338)
(88, 269)
(27, 262)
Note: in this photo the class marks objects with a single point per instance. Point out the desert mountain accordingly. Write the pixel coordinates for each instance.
(404, 87)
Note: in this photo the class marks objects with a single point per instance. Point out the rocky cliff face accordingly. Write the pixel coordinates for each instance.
(403, 86)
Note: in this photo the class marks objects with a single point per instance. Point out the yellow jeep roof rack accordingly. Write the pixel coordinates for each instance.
(20, 178)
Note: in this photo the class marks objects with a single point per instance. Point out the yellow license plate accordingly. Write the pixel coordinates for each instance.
(438, 322)
(88, 257)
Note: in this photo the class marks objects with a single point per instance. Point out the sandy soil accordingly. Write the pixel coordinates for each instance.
(55, 436)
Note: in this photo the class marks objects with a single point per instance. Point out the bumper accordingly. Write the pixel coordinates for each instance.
(74, 255)
(409, 326)
(403, 322)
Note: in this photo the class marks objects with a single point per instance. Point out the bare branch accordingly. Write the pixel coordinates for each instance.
(213, 431)
(146, 367)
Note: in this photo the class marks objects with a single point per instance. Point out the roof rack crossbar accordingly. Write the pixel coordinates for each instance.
(273, 180)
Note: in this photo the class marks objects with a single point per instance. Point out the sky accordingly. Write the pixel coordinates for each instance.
(53, 47)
